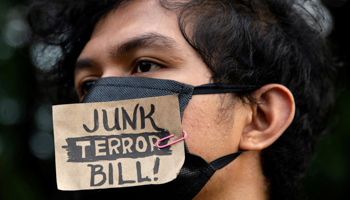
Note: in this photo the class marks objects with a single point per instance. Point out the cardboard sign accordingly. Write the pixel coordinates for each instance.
(113, 144)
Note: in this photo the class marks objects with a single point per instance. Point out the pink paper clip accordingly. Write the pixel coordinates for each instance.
(170, 136)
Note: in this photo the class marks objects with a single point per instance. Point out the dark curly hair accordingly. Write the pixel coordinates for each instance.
(253, 42)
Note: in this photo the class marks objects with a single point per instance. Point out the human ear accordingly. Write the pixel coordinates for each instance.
(269, 118)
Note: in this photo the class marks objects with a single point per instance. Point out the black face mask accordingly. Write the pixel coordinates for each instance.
(195, 172)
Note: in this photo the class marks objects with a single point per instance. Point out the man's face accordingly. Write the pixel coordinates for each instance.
(142, 39)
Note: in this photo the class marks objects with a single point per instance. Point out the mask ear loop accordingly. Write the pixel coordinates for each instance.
(217, 88)
(170, 136)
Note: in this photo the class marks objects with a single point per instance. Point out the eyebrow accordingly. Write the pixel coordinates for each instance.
(84, 63)
(147, 41)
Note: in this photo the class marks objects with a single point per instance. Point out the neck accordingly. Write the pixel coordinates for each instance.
(241, 179)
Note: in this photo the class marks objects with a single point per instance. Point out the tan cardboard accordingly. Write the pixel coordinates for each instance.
(93, 154)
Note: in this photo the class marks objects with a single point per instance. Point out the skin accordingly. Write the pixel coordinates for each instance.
(216, 124)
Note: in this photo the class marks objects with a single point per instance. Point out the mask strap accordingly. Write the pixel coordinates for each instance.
(213, 88)
(225, 160)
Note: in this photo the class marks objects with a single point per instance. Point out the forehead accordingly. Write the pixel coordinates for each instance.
(133, 18)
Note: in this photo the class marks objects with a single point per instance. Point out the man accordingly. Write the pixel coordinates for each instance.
(269, 44)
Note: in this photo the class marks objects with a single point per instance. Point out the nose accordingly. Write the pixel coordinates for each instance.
(115, 71)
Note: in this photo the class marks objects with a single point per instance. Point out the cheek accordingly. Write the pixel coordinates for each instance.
(209, 135)
(195, 123)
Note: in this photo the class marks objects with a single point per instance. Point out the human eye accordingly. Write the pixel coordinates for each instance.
(146, 66)
(85, 86)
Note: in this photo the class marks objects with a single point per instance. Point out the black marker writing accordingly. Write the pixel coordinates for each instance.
(98, 173)
(148, 116)
(156, 168)
(113, 147)
(96, 123)
(140, 179)
(126, 119)
(121, 181)
(116, 122)
(95, 172)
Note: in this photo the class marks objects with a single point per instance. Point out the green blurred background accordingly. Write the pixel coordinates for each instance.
(27, 169)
